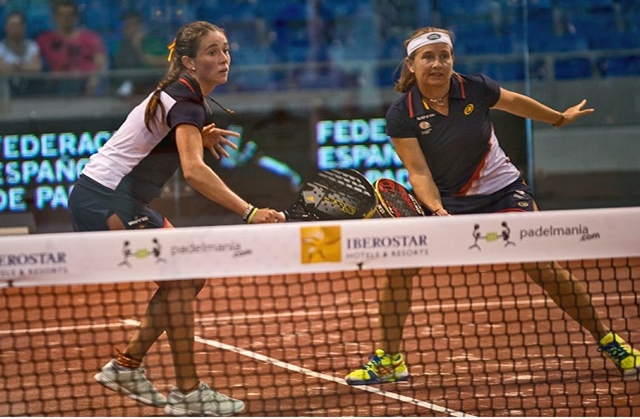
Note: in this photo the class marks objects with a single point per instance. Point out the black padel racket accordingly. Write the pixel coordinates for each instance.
(336, 194)
(394, 200)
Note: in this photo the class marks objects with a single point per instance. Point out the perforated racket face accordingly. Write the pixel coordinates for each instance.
(337, 194)
(394, 200)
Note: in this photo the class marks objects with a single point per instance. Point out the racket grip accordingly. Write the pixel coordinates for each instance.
(296, 216)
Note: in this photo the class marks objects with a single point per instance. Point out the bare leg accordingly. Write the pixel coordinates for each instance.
(394, 299)
(171, 310)
(569, 293)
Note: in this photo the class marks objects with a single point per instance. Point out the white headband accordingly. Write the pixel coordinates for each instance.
(426, 39)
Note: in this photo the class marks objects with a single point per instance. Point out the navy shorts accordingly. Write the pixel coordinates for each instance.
(91, 204)
(515, 197)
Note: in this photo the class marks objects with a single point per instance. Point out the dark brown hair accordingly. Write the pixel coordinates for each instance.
(187, 43)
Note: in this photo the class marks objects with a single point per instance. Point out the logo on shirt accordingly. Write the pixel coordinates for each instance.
(425, 127)
(468, 109)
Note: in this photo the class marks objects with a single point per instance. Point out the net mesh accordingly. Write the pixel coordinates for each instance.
(480, 340)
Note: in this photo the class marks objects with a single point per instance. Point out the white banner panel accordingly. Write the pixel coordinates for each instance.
(224, 251)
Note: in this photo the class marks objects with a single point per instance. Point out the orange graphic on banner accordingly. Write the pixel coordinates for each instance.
(320, 244)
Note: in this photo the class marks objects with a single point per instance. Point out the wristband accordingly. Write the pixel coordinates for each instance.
(247, 213)
(253, 213)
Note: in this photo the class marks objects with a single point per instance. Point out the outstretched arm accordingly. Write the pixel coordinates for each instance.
(526, 107)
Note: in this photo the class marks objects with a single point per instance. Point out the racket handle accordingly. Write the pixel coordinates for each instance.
(296, 216)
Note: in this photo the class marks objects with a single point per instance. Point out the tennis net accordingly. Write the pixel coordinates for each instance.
(290, 309)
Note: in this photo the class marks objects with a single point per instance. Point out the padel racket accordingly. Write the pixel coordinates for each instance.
(336, 194)
(394, 200)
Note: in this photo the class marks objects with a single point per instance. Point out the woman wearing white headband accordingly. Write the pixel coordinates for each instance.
(441, 130)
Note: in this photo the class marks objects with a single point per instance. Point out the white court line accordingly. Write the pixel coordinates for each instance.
(512, 303)
(501, 304)
(61, 328)
(314, 374)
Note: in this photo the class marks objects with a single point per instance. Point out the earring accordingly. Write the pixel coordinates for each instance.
(193, 68)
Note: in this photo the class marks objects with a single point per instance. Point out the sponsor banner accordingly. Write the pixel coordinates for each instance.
(308, 247)
(138, 255)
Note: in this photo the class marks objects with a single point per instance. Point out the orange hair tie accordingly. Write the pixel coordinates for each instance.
(171, 47)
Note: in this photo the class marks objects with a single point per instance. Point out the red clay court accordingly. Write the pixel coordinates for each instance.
(481, 341)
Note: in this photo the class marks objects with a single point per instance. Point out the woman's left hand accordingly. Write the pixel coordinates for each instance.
(214, 139)
(573, 113)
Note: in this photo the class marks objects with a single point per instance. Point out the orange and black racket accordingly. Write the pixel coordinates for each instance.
(394, 200)
(336, 194)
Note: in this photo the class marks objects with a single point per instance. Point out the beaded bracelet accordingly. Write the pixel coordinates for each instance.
(247, 213)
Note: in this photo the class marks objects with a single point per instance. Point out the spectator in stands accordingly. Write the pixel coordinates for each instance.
(73, 49)
(18, 54)
(137, 49)
(441, 130)
(165, 132)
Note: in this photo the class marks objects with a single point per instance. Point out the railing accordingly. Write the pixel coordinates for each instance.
(366, 80)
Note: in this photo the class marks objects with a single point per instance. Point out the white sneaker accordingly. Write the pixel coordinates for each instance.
(203, 401)
(130, 382)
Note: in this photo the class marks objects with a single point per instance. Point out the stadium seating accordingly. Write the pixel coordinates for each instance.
(277, 32)
(620, 66)
(572, 68)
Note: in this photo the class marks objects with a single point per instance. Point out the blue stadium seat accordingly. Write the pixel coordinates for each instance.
(450, 8)
(563, 43)
(251, 54)
(480, 45)
(633, 18)
(615, 40)
(293, 10)
(254, 81)
(393, 47)
(504, 71)
(473, 28)
(628, 4)
(331, 78)
(620, 66)
(101, 17)
(586, 4)
(387, 75)
(572, 68)
(539, 28)
(586, 24)
(222, 12)
(539, 4)
(38, 20)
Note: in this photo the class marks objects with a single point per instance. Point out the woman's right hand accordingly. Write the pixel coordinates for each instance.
(267, 215)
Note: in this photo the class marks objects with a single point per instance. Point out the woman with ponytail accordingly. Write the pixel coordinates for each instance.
(165, 132)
